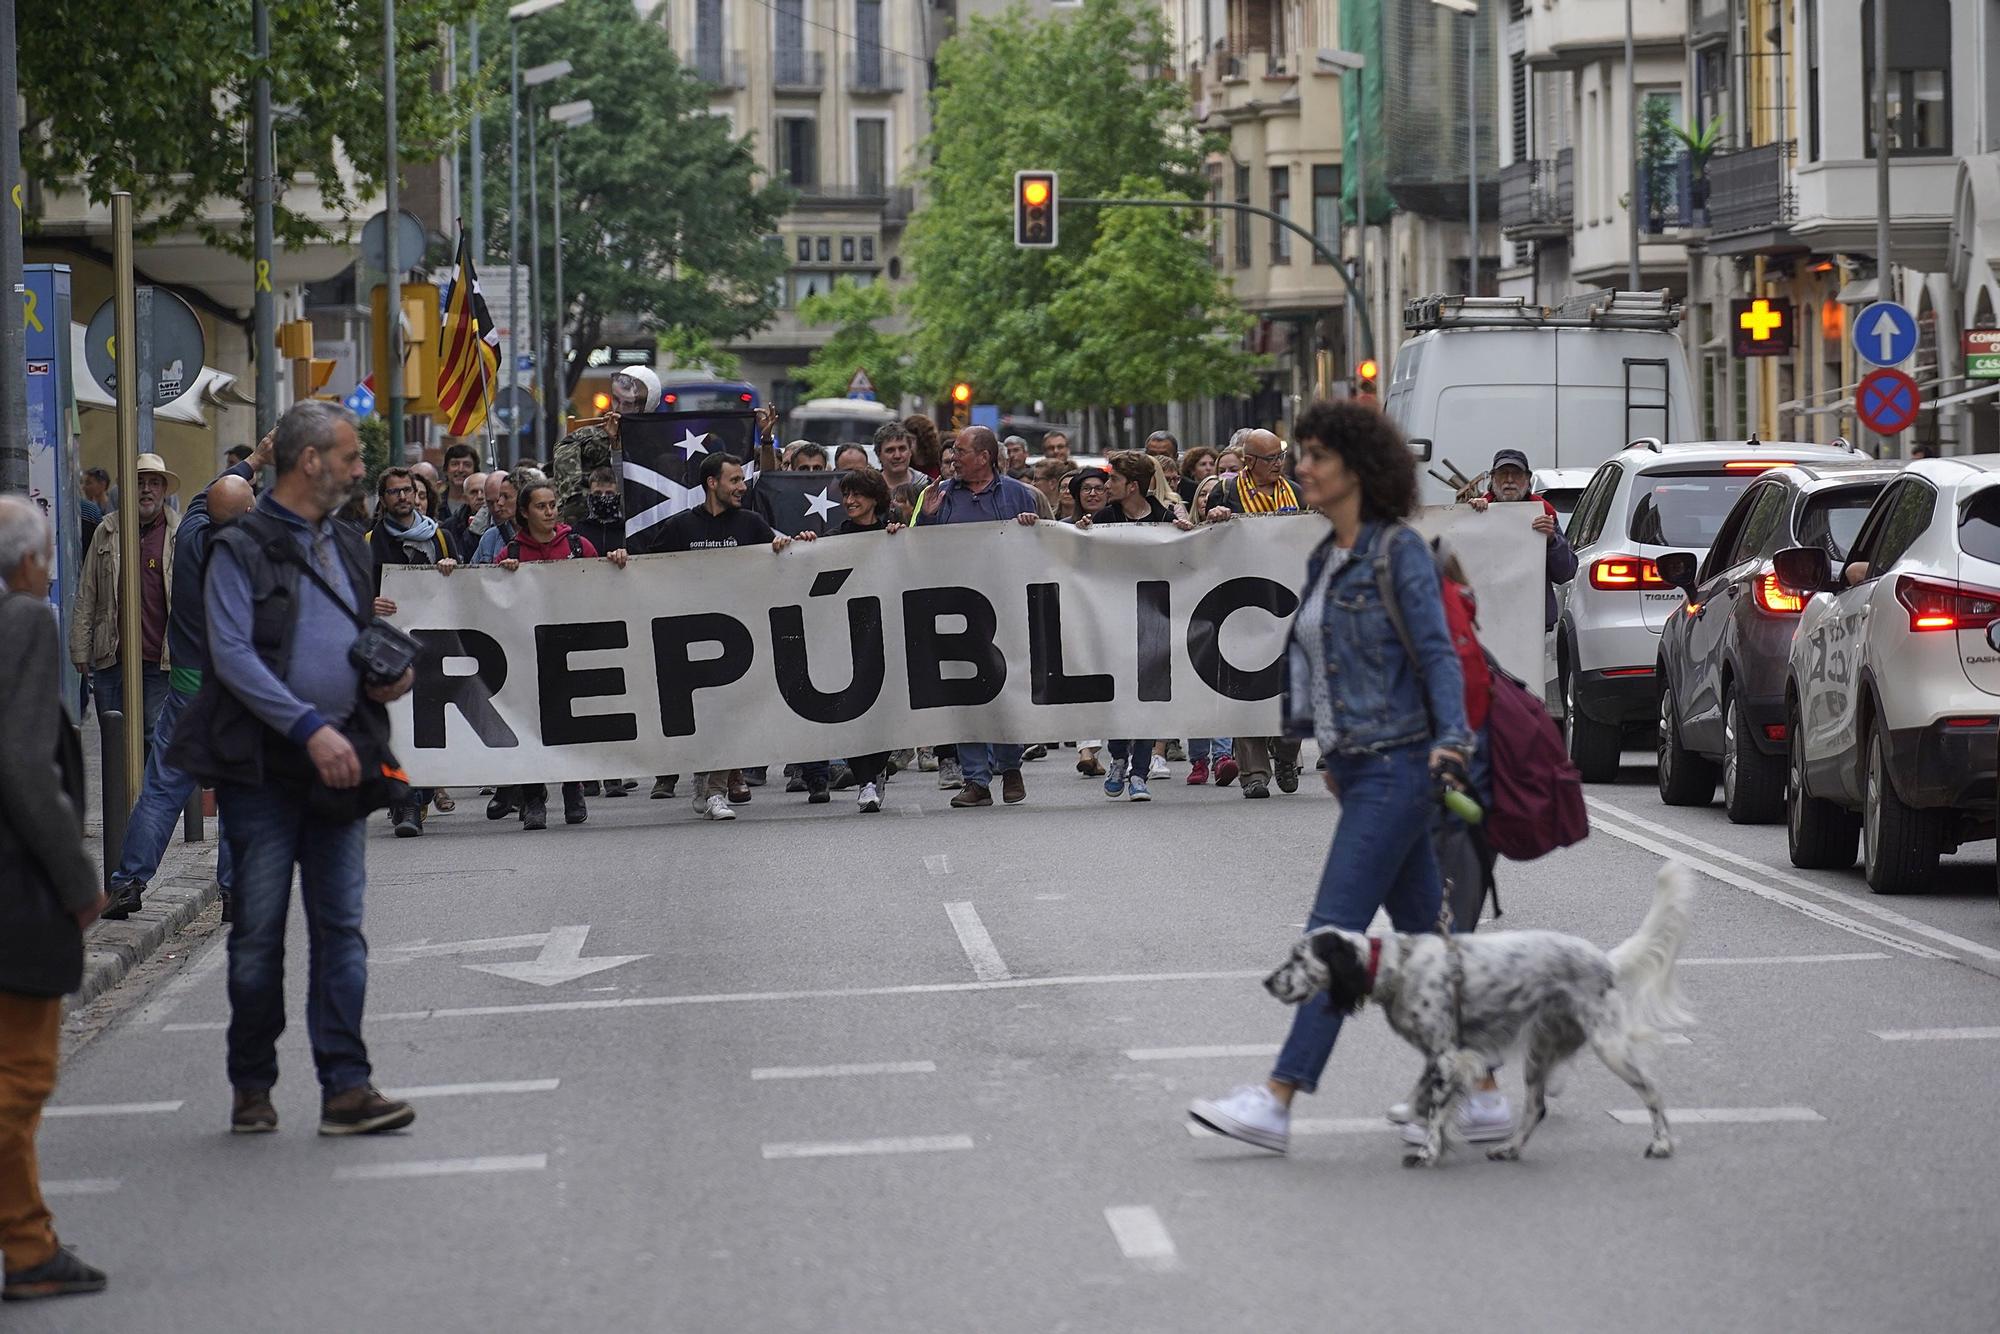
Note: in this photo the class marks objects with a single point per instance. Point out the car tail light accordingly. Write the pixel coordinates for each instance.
(670, 398)
(1968, 722)
(1628, 671)
(1621, 572)
(1773, 596)
(1757, 465)
(1936, 605)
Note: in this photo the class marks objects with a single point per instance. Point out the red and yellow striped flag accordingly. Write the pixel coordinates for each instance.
(469, 363)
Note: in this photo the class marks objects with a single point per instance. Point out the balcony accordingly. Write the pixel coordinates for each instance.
(873, 73)
(721, 70)
(1570, 33)
(1538, 198)
(1671, 199)
(796, 70)
(1751, 200)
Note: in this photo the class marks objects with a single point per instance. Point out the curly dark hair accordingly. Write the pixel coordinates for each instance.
(929, 449)
(866, 481)
(1371, 447)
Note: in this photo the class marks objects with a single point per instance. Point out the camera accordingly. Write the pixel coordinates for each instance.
(383, 653)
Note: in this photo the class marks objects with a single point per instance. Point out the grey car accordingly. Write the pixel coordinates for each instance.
(1723, 657)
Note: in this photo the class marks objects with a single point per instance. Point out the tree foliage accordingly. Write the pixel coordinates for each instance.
(155, 100)
(1067, 93)
(857, 343)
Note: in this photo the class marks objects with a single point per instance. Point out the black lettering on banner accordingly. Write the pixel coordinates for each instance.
(1045, 655)
(926, 648)
(680, 675)
(793, 667)
(1205, 636)
(1156, 640)
(471, 695)
(562, 686)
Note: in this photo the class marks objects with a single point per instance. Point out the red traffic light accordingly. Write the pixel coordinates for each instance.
(961, 393)
(1367, 370)
(1035, 209)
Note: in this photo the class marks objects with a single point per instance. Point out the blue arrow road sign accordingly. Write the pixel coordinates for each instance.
(361, 402)
(1885, 334)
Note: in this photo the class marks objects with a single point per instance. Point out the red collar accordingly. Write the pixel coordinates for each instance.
(1374, 959)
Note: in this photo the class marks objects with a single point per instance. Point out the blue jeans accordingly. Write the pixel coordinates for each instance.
(978, 761)
(109, 687)
(161, 800)
(269, 831)
(1140, 753)
(1202, 747)
(1381, 858)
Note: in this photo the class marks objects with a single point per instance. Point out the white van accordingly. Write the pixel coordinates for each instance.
(834, 422)
(1568, 387)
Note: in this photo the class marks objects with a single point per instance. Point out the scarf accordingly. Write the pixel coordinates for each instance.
(481, 520)
(422, 529)
(1281, 500)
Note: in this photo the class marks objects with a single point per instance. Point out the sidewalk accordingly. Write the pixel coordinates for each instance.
(184, 886)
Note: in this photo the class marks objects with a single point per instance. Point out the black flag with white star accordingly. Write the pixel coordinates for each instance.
(661, 454)
(793, 502)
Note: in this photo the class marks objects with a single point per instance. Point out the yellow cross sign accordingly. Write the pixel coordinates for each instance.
(1761, 327)
(1761, 320)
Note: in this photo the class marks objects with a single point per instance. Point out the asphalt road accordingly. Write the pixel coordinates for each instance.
(927, 1071)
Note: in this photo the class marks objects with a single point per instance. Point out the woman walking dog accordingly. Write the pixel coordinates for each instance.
(1390, 723)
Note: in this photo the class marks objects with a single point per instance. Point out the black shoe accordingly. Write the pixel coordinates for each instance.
(61, 1275)
(1038, 751)
(228, 908)
(502, 804)
(1288, 778)
(408, 819)
(663, 787)
(817, 794)
(574, 811)
(795, 784)
(593, 788)
(251, 1113)
(1256, 789)
(841, 779)
(613, 787)
(125, 897)
(755, 777)
(535, 814)
(362, 1111)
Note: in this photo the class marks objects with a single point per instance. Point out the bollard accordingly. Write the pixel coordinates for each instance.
(117, 801)
(192, 830)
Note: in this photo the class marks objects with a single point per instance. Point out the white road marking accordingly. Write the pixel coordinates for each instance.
(938, 863)
(1824, 916)
(1939, 1034)
(840, 1071)
(81, 1186)
(1201, 1053)
(157, 1010)
(559, 961)
(1050, 898)
(111, 1109)
(1717, 1116)
(1142, 1236)
(987, 965)
(442, 1167)
(863, 1147)
(1863, 906)
(911, 812)
(210, 1026)
(491, 945)
(474, 1090)
(1772, 959)
(1676, 1040)
(1321, 1125)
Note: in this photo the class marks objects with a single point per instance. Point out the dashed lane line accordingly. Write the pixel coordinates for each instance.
(474, 1090)
(869, 1147)
(1868, 908)
(938, 863)
(980, 951)
(1771, 960)
(1716, 1116)
(1142, 1237)
(81, 1186)
(442, 1167)
(842, 1071)
(1939, 1034)
(1201, 1053)
(59, 1111)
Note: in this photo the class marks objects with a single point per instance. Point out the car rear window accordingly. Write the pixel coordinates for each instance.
(1684, 509)
(1831, 519)
(1979, 527)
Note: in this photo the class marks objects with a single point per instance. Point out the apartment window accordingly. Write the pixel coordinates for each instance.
(1809, 21)
(805, 247)
(867, 250)
(824, 248)
(868, 43)
(1242, 219)
(798, 151)
(810, 283)
(1919, 60)
(1326, 209)
(846, 250)
(1517, 81)
(1281, 204)
(708, 32)
(871, 154)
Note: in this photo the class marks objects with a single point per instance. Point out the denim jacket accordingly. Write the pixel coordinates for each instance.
(1379, 701)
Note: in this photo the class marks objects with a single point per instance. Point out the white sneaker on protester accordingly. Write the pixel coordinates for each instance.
(717, 808)
(1481, 1119)
(1251, 1113)
(870, 799)
(1158, 768)
(949, 775)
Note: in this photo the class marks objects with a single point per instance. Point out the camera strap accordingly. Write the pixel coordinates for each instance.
(287, 551)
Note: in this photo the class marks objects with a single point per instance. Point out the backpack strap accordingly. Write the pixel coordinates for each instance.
(513, 548)
(1385, 583)
(575, 546)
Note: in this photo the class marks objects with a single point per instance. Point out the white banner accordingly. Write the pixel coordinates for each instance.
(849, 645)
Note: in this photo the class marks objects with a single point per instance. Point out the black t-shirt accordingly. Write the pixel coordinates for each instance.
(846, 526)
(1115, 513)
(605, 535)
(698, 530)
(1187, 486)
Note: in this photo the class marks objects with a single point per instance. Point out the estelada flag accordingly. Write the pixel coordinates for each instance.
(661, 454)
(469, 362)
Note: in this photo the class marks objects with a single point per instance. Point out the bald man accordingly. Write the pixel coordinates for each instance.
(166, 789)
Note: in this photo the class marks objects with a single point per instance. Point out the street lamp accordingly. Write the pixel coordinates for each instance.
(535, 78)
(515, 13)
(1344, 63)
(569, 115)
(1470, 8)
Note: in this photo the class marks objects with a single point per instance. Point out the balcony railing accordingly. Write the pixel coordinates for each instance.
(796, 70)
(873, 72)
(719, 68)
(1751, 190)
(1538, 197)
(1671, 199)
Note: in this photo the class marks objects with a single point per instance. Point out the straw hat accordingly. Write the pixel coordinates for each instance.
(154, 463)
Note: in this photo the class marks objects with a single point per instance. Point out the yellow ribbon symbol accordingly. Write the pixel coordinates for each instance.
(263, 275)
(18, 205)
(30, 320)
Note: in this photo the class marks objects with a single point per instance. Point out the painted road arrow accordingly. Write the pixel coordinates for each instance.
(560, 959)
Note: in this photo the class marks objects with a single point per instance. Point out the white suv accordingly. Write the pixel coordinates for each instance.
(1892, 690)
(1649, 499)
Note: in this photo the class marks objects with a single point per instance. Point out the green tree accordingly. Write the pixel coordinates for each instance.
(857, 344)
(155, 100)
(666, 217)
(1070, 94)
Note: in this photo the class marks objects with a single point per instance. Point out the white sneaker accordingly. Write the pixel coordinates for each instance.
(1481, 1119)
(927, 760)
(1251, 1113)
(1158, 768)
(870, 799)
(949, 775)
(717, 808)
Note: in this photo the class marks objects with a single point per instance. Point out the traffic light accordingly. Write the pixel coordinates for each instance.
(961, 405)
(1760, 327)
(1035, 209)
(1365, 376)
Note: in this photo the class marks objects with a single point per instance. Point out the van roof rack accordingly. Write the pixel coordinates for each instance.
(1606, 309)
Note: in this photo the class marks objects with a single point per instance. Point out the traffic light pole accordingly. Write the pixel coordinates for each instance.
(1319, 247)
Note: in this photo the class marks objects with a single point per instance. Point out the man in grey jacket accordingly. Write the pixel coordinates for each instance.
(49, 895)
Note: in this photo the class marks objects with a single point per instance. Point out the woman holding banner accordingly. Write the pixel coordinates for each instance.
(1390, 723)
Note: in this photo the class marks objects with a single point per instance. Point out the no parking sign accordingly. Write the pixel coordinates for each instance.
(1887, 401)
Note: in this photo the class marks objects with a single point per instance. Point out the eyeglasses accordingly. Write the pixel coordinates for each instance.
(1264, 458)
(395, 491)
